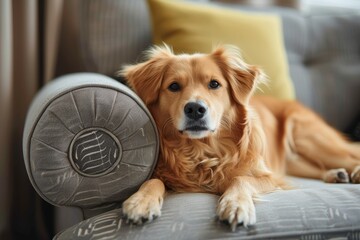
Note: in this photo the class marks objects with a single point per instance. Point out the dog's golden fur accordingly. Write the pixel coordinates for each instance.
(248, 145)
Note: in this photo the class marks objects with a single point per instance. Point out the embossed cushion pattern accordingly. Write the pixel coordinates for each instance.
(313, 211)
(88, 140)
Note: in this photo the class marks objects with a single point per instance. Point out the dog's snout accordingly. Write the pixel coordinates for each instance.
(195, 110)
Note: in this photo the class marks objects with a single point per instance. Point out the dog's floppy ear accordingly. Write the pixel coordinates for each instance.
(243, 78)
(145, 78)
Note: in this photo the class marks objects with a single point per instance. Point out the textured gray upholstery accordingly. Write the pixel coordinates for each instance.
(314, 211)
(324, 58)
(88, 141)
(113, 33)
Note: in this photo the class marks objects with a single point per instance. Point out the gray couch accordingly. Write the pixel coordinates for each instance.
(324, 57)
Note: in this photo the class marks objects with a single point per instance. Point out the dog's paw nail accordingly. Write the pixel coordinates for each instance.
(233, 226)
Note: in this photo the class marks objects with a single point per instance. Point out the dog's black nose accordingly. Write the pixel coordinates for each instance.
(195, 110)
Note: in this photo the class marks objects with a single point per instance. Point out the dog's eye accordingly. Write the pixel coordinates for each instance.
(174, 87)
(213, 84)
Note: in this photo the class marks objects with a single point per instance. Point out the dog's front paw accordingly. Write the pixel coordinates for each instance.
(141, 207)
(236, 210)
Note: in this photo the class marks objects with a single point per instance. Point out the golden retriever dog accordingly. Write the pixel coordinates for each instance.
(216, 137)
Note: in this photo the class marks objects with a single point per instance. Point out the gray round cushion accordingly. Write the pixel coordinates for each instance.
(88, 140)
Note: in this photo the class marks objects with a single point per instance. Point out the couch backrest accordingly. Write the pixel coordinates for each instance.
(323, 51)
(324, 58)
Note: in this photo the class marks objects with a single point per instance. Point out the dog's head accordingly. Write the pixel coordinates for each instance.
(196, 94)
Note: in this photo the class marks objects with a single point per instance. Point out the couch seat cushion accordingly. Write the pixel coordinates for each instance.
(314, 210)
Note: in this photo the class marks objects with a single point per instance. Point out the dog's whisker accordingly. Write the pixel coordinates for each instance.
(167, 122)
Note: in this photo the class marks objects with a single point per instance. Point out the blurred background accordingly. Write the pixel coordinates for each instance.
(43, 39)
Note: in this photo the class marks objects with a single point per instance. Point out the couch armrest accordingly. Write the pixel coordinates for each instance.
(88, 142)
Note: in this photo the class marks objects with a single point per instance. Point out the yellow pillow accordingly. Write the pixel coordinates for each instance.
(190, 28)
